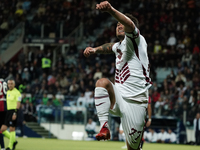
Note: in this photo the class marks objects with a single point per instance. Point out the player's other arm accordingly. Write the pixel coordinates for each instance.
(149, 115)
(123, 19)
(103, 49)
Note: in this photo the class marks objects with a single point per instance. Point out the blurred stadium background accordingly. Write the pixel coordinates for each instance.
(41, 47)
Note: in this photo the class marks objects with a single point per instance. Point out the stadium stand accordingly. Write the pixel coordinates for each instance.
(171, 29)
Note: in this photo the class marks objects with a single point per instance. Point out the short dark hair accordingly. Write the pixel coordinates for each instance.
(136, 22)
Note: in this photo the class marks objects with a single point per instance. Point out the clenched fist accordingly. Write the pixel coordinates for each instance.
(88, 51)
(104, 6)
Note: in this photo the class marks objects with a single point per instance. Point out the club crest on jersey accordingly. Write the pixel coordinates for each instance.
(120, 53)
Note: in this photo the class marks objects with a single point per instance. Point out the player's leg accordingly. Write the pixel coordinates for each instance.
(130, 148)
(4, 131)
(2, 116)
(104, 101)
(5, 125)
(12, 137)
(2, 141)
(133, 124)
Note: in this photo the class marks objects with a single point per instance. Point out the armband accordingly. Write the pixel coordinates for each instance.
(149, 119)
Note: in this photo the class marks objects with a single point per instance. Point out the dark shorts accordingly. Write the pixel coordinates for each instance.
(2, 117)
(8, 120)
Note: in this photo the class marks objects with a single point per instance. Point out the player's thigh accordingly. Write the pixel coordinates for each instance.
(133, 121)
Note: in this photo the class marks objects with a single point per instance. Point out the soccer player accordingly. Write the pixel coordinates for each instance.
(128, 97)
(3, 90)
(13, 101)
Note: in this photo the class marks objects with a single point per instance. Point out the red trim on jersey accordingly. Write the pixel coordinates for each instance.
(145, 74)
(122, 75)
(126, 64)
(137, 54)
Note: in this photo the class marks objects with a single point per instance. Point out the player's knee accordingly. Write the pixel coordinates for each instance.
(103, 82)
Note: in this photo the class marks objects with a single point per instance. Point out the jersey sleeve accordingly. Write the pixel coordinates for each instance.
(19, 96)
(133, 35)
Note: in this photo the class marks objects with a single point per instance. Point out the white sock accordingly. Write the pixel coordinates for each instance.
(102, 103)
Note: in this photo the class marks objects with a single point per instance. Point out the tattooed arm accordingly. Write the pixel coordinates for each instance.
(103, 49)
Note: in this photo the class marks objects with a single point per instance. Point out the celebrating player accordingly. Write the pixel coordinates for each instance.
(128, 98)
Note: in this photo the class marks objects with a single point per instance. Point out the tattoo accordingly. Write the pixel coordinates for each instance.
(105, 48)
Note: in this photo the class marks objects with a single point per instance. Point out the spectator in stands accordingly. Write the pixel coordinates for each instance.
(25, 108)
(171, 40)
(162, 135)
(186, 58)
(90, 100)
(19, 12)
(196, 124)
(64, 83)
(4, 27)
(88, 93)
(32, 112)
(45, 99)
(171, 137)
(26, 5)
(180, 78)
(82, 99)
(151, 136)
(73, 89)
(158, 106)
(55, 101)
(196, 50)
(98, 74)
(20, 120)
(26, 75)
(90, 128)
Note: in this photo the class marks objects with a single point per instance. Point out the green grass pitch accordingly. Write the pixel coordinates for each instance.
(52, 144)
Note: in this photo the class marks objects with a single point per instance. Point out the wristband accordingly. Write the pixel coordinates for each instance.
(15, 113)
(149, 119)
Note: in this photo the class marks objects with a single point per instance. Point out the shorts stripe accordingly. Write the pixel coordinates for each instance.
(100, 97)
(100, 104)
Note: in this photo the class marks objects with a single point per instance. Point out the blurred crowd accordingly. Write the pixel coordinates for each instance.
(171, 29)
(161, 136)
(13, 12)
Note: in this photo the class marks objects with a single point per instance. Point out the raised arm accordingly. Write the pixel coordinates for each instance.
(123, 19)
(103, 49)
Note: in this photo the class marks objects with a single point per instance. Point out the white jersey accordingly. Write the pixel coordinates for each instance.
(132, 67)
